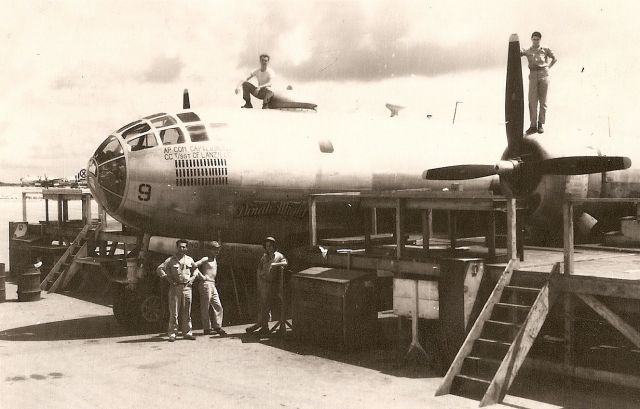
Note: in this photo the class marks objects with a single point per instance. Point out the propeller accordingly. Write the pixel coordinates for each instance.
(518, 167)
(185, 99)
(514, 99)
(567, 165)
(459, 172)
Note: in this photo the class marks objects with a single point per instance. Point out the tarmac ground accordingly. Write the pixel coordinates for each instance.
(67, 350)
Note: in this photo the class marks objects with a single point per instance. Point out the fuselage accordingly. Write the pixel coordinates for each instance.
(239, 174)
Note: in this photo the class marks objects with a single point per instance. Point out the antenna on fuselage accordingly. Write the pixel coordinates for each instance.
(185, 99)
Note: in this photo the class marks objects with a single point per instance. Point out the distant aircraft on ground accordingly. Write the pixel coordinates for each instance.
(77, 180)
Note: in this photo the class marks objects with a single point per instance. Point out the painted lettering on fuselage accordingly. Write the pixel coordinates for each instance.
(185, 152)
(271, 208)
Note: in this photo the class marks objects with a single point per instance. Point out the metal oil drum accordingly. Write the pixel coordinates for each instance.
(29, 285)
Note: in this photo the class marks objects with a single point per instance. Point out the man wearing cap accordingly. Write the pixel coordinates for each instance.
(208, 269)
(179, 270)
(540, 60)
(268, 273)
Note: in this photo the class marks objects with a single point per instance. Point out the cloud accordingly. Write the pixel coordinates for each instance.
(354, 41)
(164, 69)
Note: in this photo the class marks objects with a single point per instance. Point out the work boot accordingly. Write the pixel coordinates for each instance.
(540, 128)
(532, 129)
(265, 105)
(172, 337)
(253, 328)
(190, 337)
(247, 105)
(264, 332)
(207, 332)
(220, 331)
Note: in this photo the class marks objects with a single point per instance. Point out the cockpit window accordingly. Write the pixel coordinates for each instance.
(154, 115)
(163, 121)
(197, 133)
(109, 149)
(92, 168)
(142, 142)
(128, 125)
(188, 117)
(171, 136)
(140, 128)
(113, 176)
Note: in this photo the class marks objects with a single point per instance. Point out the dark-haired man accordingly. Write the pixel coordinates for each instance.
(263, 75)
(179, 270)
(540, 60)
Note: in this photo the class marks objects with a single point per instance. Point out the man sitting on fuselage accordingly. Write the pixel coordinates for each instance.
(264, 75)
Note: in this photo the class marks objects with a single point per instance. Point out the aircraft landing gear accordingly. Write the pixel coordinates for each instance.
(139, 309)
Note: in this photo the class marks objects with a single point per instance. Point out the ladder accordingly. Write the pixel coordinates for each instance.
(65, 268)
(499, 341)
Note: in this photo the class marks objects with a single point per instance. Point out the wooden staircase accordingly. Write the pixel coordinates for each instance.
(499, 341)
(65, 268)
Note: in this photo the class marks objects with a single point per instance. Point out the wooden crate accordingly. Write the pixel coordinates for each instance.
(334, 308)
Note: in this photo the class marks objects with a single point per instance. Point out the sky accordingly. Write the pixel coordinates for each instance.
(73, 71)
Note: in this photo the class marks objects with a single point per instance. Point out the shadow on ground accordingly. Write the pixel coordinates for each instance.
(95, 327)
(386, 353)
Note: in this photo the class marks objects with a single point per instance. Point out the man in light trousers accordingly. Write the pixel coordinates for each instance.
(208, 270)
(180, 271)
(540, 60)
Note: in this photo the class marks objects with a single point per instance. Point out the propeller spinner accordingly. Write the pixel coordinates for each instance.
(516, 167)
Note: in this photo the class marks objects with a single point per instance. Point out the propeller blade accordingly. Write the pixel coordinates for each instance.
(185, 99)
(514, 99)
(459, 172)
(581, 165)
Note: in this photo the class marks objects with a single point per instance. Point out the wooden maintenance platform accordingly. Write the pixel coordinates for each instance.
(64, 244)
(577, 311)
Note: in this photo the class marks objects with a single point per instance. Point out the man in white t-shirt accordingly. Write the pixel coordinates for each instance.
(264, 75)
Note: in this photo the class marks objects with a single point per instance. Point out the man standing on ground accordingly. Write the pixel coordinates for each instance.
(268, 274)
(179, 270)
(264, 75)
(208, 269)
(540, 60)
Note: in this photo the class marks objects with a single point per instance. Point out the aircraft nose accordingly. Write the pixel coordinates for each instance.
(107, 174)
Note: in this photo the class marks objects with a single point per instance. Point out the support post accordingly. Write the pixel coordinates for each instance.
(86, 209)
(453, 228)
(567, 217)
(415, 348)
(24, 206)
(313, 223)
(491, 235)
(65, 210)
(139, 270)
(512, 247)
(400, 210)
(374, 220)
(60, 217)
(366, 220)
(46, 210)
(427, 228)
(569, 324)
(519, 236)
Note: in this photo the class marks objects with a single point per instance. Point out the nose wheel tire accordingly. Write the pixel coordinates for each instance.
(150, 310)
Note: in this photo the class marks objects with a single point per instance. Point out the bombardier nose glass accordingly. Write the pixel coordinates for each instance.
(108, 172)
